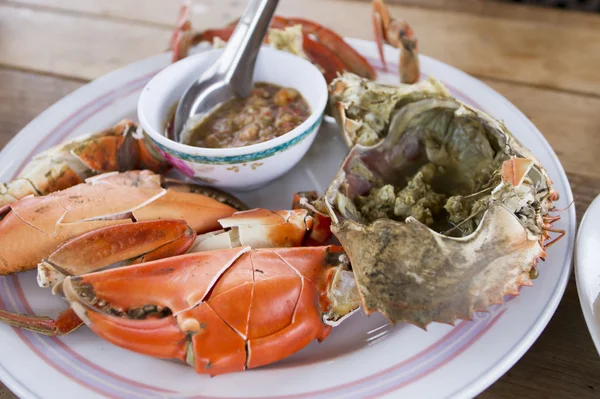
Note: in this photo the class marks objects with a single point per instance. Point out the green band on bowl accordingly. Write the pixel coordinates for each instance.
(241, 158)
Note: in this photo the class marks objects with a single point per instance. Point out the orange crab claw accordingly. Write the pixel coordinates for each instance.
(114, 245)
(121, 147)
(34, 226)
(322, 56)
(323, 47)
(219, 311)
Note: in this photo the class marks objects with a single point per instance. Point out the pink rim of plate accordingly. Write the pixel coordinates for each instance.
(54, 352)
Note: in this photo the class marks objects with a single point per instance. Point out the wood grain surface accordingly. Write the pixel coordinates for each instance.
(545, 61)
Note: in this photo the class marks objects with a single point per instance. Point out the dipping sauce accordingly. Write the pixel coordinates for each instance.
(267, 113)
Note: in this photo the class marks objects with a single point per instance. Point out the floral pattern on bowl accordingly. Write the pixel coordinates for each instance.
(178, 163)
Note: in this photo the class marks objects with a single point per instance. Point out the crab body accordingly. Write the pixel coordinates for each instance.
(444, 213)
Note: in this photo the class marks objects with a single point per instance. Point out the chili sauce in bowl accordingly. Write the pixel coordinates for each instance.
(268, 112)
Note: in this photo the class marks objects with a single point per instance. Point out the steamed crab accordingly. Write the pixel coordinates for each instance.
(439, 211)
(442, 216)
(239, 296)
(310, 40)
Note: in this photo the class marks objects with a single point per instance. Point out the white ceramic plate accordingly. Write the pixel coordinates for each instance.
(587, 269)
(363, 357)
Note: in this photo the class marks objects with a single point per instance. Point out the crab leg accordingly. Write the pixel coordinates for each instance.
(351, 58)
(322, 46)
(319, 54)
(109, 246)
(219, 311)
(181, 36)
(66, 322)
(119, 148)
(551, 219)
(262, 228)
(400, 35)
(561, 234)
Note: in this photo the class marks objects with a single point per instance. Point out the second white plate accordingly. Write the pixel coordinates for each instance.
(587, 269)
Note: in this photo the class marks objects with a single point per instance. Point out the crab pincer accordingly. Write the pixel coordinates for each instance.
(105, 247)
(219, 311)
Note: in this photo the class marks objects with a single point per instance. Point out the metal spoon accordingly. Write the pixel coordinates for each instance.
(231, 74)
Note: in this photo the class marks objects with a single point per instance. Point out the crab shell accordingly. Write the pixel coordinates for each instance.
(406, 270)
(363, 108)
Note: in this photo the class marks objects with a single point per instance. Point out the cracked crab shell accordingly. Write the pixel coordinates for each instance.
(31, 228)
(407, 270)
(363, 108)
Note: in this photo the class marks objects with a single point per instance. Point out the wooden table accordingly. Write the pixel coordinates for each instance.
(547, 62)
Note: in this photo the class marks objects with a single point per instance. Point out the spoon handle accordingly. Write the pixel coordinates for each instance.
(238, 58)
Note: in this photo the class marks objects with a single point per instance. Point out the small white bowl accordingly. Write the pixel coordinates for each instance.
(241, 168)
